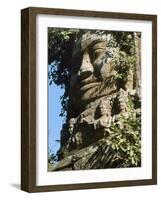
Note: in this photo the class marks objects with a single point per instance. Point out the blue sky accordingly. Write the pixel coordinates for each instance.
(54, 120)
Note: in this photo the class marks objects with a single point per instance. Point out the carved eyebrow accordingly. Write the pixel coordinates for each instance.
(98, 40)
(98, 44)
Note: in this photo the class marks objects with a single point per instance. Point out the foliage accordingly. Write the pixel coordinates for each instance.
(123, 63)
(125, 138)
(52, 158)
(125, 58)
(60, 47)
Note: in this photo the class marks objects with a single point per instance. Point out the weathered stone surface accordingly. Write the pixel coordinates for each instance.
(97, 103)
(96, 156)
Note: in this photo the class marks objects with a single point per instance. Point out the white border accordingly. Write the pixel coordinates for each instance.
(87, 176)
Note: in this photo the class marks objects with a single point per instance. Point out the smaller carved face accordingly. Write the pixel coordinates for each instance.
(105, 108)
(72, 122)
(122, 100)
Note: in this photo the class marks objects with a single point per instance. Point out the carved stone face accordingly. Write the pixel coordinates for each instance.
(104, 109)
(92, 70)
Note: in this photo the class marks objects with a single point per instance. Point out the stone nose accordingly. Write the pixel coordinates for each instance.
(86, 68)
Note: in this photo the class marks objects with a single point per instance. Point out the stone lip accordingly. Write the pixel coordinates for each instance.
(86, 87)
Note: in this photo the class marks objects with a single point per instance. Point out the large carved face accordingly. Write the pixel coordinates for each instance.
(92, 71)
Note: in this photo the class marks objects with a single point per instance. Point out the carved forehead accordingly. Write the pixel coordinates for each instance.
(88, 39)
(92, 38)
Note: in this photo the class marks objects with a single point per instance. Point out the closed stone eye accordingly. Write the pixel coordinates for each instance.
(97, 49)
